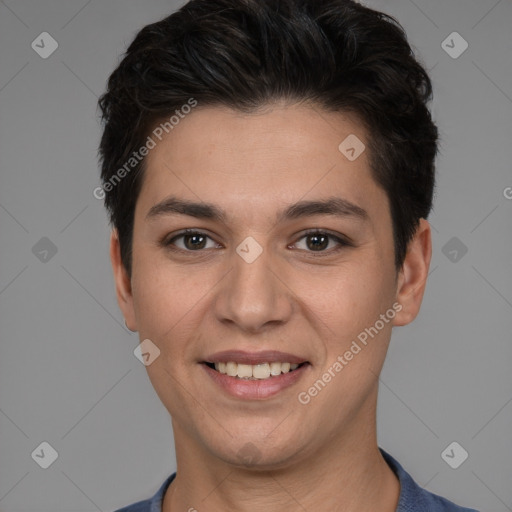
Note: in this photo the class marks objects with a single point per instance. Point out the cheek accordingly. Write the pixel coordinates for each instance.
(349, 308)
(349, 297)
(171, 303)
(160, 299)
(349, 312)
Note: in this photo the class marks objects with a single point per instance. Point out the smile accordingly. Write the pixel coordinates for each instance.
(259, 381)
(253, 371)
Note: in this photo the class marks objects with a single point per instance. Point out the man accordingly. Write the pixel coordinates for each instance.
(268, 167)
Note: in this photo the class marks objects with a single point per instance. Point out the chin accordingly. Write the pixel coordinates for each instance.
(259, 454)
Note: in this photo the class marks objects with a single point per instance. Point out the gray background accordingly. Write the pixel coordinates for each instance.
(68, 375)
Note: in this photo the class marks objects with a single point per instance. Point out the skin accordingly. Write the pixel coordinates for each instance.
(293, 298)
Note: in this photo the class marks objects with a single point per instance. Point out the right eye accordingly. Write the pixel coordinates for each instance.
(191, 241)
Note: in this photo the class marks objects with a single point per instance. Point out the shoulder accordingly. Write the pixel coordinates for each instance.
(415, 499)
(153, 504)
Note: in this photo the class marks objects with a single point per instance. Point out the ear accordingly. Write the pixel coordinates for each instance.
(412, 277)
(122, 282)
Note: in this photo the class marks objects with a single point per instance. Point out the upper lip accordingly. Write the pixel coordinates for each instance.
(265, 356)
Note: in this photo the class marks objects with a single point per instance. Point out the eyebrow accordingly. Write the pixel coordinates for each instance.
(335, 206)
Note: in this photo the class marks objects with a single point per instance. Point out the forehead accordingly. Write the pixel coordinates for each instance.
(261, 160)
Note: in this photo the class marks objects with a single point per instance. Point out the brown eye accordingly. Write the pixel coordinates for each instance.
(317, 242)
(191, 241)
(320, 241)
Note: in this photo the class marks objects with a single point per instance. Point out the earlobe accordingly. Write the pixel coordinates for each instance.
(122, 282)
(413, 275)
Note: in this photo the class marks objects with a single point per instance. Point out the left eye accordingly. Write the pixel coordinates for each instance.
(318, 241)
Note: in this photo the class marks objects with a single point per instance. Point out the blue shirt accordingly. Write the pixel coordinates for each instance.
(412, 497)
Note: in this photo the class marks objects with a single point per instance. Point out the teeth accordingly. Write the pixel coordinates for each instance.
(260, 371)
(275, 368)
(256, 371)
(231, 369)
(244, 370)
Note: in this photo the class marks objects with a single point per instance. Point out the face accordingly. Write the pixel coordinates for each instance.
(286, 273)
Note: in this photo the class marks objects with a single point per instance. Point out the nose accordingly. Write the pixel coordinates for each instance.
(254, 296)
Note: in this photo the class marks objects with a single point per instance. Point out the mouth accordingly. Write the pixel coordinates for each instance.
(259, 371)
(254, 376)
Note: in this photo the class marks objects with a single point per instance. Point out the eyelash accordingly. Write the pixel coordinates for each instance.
(342, 243)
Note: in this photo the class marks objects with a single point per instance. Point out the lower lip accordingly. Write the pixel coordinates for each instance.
(255, 389)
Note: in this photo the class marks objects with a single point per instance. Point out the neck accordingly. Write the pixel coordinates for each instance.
(349, 474)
